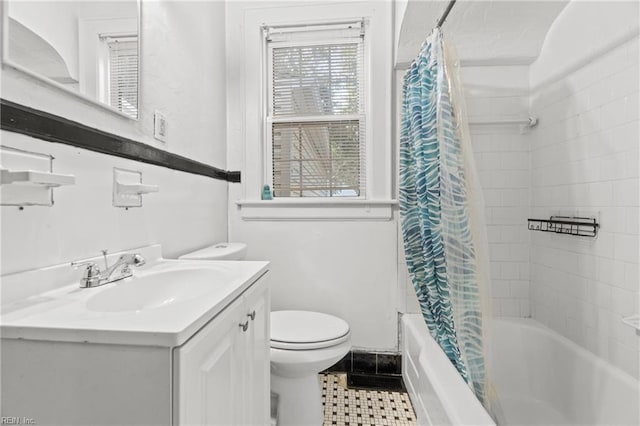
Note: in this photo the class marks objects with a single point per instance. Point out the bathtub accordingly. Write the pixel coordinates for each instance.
(438, 393)
(540, 378)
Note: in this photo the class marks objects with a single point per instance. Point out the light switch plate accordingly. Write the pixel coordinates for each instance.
(160, 126)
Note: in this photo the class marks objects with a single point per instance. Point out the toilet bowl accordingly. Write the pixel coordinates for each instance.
(303, 343)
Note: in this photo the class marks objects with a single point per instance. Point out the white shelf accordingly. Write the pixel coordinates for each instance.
(136, 188)
(34, 177)
(128, 188)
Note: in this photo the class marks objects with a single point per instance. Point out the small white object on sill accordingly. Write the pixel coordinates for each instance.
(128, 188)
(27, 178)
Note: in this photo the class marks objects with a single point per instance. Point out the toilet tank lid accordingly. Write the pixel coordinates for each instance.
(306, 327)
(219, 251)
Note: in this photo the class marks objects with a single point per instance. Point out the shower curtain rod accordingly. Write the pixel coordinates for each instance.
(446, 13)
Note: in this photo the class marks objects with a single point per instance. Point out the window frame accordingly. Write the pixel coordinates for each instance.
(91, 56)
(364, 105)
(246, 128)
(104, 79)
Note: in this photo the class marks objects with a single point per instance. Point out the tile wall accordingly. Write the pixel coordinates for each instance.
(584, 161)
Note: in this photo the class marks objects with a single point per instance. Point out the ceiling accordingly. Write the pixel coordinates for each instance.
(487, 32)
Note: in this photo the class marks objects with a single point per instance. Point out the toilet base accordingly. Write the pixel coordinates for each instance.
(299, 400)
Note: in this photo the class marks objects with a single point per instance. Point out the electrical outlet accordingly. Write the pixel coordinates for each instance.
(160, 126)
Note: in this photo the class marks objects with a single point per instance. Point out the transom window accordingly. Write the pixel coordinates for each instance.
(315, 113)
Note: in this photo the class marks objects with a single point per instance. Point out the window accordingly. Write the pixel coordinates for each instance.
(122, 74)
(315, 124)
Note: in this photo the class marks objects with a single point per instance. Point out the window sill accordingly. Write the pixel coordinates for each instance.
(307, 209)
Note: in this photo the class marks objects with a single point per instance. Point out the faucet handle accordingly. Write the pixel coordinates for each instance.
(138, 260)
(89, 263)
(91, 272)
(134, 259)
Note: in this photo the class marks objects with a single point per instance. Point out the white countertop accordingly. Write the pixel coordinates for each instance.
(47, 305)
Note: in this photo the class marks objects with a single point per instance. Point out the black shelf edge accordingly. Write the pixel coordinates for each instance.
(42, 125)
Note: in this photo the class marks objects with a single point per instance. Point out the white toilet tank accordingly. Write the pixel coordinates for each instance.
(219, 251)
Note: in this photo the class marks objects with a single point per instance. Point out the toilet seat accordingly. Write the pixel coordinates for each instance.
(305, 330)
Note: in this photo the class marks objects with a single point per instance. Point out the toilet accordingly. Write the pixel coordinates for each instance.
(303, 343)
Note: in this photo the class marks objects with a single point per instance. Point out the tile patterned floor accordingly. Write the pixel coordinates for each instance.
(358, 407)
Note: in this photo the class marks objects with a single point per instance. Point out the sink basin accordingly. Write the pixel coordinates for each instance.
(156, 289)
(163, 304)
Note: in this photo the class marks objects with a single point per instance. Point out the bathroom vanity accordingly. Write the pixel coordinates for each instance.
(179, 343)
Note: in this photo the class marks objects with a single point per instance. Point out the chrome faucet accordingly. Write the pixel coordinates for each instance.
(93, 277)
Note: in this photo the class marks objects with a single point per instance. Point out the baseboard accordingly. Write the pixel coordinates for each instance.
(371, 370)
(369, 363)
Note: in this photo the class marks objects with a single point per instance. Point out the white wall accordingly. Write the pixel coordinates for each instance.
(584, 161)
(346, 268)
(501, 153)
(183, 75)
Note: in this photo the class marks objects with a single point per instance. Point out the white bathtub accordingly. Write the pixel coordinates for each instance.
(540, 377)
(438, 393)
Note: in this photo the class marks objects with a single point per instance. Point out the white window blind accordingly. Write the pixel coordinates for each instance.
(316, 114)
(123, 74)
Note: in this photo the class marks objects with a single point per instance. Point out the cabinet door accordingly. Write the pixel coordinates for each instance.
(257, 393)
(209, 371)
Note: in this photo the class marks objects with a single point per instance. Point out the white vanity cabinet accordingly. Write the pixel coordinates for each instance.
(217, 376)
(221, 374)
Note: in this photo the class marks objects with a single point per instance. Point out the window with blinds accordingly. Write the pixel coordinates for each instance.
(123, 74)
(315, 113)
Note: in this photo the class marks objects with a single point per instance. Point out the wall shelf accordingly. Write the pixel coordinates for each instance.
(27, 178)
(136, 188)
(128, 188)
(34, 177)
(567, 225)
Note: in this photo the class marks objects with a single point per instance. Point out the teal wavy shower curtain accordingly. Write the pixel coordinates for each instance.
(434, 206)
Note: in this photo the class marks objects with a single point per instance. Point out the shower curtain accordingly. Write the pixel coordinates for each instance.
(441, 212)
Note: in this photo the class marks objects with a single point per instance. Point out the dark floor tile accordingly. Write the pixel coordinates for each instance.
(385, 382)
(388, 364)
(363, 362)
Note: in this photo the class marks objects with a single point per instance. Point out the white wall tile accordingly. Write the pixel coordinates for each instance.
(583, 288)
